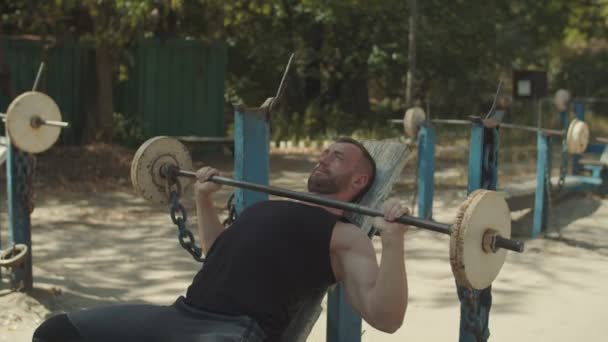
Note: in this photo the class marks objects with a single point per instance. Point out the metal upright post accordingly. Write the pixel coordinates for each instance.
(475, 157)
(251, 155)
(543, 179)
(426, 170)
(483, 174)
(18, 186)
(343, 323)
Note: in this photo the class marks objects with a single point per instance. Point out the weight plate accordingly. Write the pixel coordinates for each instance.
(412, 120)
(577, 137)
(19, 115)
(471, 265)
(147, 161)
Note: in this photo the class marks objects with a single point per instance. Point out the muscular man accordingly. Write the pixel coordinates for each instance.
(258, 270)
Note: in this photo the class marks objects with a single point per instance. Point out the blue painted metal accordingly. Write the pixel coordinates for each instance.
(587, 180)
(483, 173)
(251, 154)
(596, 172)
(426, 170)
(343, 323)
(543, 165)
(475, 157)
(18, 216)
(579, 109)
(595, 148)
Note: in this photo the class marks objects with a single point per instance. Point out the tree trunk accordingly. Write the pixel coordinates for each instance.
(409, 87)
(6, 86)
(99, 123)
(354, 95)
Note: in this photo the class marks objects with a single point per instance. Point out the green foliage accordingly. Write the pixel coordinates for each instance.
(351, 55)
(128, 130)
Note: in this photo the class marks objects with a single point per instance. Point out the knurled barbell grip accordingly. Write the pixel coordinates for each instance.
(169, 170)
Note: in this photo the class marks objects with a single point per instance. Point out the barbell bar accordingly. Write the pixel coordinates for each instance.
(577, 134)
(171, 171)
(479, 238)
(37, 121)
(33, 122)
(602, 140)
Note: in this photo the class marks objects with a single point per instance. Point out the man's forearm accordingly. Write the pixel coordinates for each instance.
(209, 225)
(388, 300)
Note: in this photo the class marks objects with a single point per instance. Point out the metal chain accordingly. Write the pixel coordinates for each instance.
(232, 215)
(472, 322)
(549, 192)
(489, 160)
(563, 167)
(179, 218)
(25, 166)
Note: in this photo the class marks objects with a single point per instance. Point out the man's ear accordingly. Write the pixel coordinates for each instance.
(360, 181)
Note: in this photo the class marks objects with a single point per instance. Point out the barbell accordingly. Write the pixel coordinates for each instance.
(33, 122)
(479, 237)
(577, 134)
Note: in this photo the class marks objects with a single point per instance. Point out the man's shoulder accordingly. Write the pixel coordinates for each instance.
(347, 235)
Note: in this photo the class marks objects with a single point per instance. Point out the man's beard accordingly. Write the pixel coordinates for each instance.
(324, 184)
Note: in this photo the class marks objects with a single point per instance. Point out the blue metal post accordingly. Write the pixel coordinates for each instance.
(19, 216)
(543, 175)
(426, 170)
(251, 155)
(579, 110)
(483, 173)
(343, 323)
(475, 157)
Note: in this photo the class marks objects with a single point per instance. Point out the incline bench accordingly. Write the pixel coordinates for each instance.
(596, 166)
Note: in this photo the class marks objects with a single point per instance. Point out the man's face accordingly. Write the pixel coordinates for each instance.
(335, 169)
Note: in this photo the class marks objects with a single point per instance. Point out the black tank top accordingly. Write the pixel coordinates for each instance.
(272, 256)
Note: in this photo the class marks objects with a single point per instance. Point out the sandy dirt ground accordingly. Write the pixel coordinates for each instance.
(96, 243)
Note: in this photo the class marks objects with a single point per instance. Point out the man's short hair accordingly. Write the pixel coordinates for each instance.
(370, 160)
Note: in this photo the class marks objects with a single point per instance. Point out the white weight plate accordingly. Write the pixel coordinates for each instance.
(19, 122)
(577, 137)
(412, 120)
(147, 161)
(471, 265)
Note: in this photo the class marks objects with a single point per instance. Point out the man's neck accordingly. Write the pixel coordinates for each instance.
(335, 211)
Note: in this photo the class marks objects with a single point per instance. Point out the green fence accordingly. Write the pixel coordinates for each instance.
(62, 79)
(175, 87)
